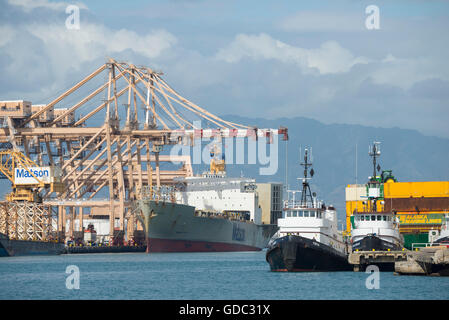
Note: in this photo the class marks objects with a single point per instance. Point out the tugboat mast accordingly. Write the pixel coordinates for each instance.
(306, 192)
(374, 152)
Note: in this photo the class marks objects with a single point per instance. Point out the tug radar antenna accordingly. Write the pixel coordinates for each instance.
(374, 184)
(306, 192)
(374, 152)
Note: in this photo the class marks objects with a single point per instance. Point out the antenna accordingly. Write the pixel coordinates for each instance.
(356, 164)
(286, 165)
(374, 152)
(306, 193)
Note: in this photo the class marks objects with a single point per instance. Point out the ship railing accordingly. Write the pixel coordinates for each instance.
(417, 245)
(300, 204)
(162, 193)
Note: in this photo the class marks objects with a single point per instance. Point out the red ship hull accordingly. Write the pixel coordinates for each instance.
(168, 245)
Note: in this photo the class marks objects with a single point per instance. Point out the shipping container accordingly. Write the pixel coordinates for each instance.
(416, 189)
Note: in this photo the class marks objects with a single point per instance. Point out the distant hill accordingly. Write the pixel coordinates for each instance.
(411, 155)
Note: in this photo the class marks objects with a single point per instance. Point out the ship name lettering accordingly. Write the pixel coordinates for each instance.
(238, 233)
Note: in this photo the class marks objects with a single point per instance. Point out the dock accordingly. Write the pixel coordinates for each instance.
(385, 260)
(431, 261)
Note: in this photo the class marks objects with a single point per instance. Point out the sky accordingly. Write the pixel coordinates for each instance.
(265, 59)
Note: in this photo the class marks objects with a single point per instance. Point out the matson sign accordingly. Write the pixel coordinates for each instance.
(24, 176)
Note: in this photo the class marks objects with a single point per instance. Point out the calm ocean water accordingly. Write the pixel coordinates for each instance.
(235, 275)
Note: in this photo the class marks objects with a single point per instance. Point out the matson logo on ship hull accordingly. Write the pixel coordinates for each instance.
(24, 176)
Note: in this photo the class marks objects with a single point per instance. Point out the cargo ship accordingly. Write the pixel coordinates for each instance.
(308, 238)
(210, 212)
(10, 247)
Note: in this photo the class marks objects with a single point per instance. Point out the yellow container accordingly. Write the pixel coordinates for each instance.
(428, 189)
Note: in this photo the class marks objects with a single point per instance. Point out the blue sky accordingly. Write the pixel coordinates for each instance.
(263, 59)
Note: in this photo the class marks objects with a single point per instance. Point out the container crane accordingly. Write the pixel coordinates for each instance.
(27, 177)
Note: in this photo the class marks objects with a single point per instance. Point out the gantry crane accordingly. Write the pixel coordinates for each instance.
(108, 134)
(26, 177)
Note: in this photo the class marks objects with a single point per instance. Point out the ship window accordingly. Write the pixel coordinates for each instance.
(306, 213)
(362, 218)
(300, 213)
(379, 218)
(368, 218)
(289, 214)
(312, 214)
(295, 213)
(385, 218)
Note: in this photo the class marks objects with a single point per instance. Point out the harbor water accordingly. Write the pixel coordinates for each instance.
(227, 276)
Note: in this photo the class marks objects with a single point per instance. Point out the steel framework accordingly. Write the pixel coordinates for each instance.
(24, 220)
(108, 140)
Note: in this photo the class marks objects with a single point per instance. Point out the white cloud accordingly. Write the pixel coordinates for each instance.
(92, 41)
(7, 33)
(29, 5)
(323, 21)
(52, 56)
(405, 72)
(327, 59)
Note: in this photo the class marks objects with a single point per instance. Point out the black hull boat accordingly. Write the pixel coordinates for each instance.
(298, 254)
(372, 242)
(443, 241)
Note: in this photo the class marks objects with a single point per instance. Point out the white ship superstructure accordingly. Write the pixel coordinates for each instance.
(311, 220)
(215, 192)
(444, 233)
(382, 225)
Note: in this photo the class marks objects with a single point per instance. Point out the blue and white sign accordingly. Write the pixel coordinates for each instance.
(24, 176)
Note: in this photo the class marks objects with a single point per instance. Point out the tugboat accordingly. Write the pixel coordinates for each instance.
(373, 229)
(308, 238)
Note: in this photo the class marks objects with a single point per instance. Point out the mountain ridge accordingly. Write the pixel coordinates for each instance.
(411, 155)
